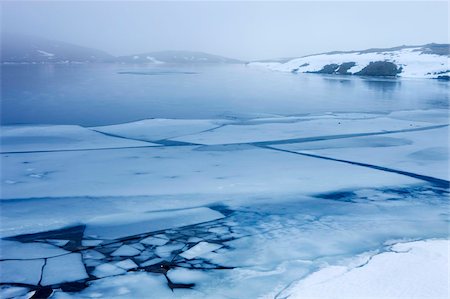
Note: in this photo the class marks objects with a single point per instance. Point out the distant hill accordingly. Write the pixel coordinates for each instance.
(17, 48)
(28, 49)
(175, 57)
(426, 61)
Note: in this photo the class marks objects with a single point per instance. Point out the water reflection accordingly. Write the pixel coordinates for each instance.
(112, 93)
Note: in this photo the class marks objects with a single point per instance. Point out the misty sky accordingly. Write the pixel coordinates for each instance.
(244, 30)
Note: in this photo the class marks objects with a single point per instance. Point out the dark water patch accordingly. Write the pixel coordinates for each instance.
(344, 196)
(73, 233)
(42, 293)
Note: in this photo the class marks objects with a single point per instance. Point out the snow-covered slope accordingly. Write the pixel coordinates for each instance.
(175, 57)
(428, 61)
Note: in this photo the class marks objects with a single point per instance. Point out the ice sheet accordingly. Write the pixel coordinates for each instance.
(179, 171)
(423, 152)
(308, 128)
(158, 129)
(58, 137)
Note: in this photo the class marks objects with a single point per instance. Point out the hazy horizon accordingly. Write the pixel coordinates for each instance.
(241, 30)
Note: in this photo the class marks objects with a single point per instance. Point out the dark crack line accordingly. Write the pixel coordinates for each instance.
(174, 143)
(42, 272)
(163, 142)
(331, 137)
(79, 149)
(435, 181)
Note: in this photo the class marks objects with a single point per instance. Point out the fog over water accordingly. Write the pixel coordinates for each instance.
(243, 30)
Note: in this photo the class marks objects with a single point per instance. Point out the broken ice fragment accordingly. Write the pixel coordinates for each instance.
(59, 243)
(26, 271)
(91, 242)
(126, 250)
(92, 254)
(151, 262)
(105, 270)
(126, 264)
(64, 268)
(199, 249)
(154, 241)
(166, 250)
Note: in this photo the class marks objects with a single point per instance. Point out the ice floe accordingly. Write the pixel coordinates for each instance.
(199, 249)
(21, 271)
(64, 268)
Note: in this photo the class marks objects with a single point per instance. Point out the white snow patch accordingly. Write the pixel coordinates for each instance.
(415, 270)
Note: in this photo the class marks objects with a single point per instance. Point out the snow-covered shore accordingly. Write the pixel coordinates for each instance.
(406, 270)
(411, 62)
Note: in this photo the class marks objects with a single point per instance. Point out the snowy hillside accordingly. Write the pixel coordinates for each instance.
(28, 49)
(428, 61)
(175, 57)
(16, 48)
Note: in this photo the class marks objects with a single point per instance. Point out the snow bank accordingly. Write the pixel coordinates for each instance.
(412, 61)
(409, 270)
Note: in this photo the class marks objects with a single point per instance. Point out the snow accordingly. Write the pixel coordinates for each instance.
(199, 249)
(126, 250)
(58, 137)
(45, 53)
(56, 269)
(133, 285)
(17, 271)
(414, 64)
(410, 270)
(154, 60)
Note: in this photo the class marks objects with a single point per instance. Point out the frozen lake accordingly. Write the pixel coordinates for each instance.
(222, 182)
(109, 94)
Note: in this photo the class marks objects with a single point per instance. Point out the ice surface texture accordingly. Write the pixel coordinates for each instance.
(269, 207)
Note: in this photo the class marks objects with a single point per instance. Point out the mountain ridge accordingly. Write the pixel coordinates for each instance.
(31, 49)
